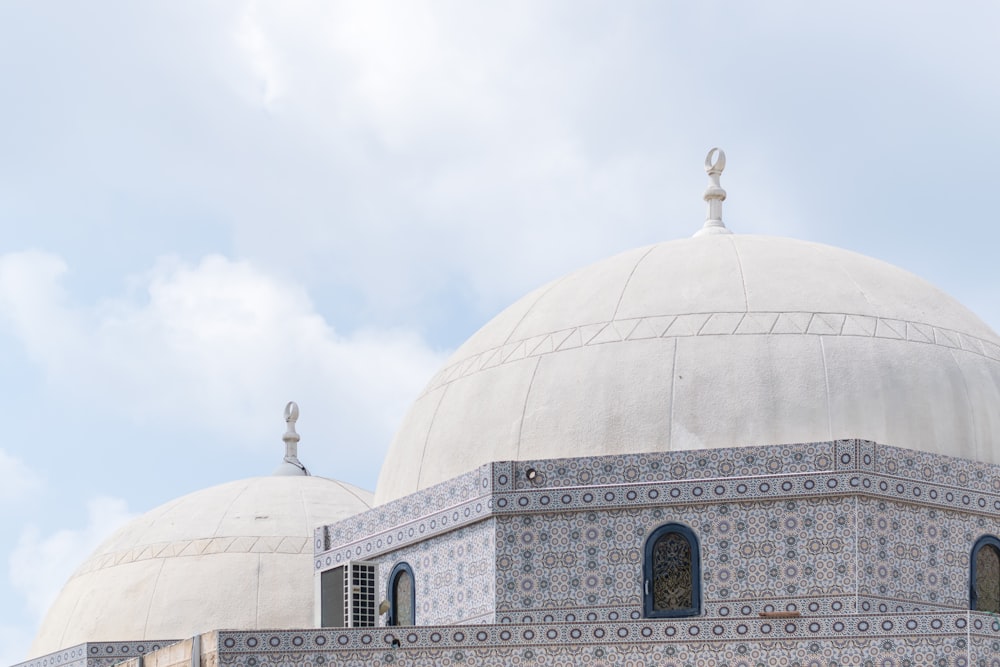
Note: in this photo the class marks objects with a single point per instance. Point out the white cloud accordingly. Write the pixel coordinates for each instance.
(260, 55)
(510, 142)
(17, 480)
(33, 302)
(409, 147)
(14, 643)
(39, 565)
(446, 140)
(437, 158)
(219, 346)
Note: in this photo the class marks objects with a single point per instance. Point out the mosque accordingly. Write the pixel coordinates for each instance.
(722, 450)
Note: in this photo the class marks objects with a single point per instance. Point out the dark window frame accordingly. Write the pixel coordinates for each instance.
(647, 572)
(397, 570)
(985, 540)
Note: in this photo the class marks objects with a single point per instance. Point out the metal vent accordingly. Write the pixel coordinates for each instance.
(349, 596)
(360, 595)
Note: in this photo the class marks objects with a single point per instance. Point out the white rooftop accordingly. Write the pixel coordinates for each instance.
(237, 556)
(715, 341)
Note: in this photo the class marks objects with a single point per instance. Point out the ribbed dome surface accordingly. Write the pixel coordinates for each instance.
(233, 556)
(715, 341)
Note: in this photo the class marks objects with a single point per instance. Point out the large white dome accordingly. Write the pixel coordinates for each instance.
(715, 341)
(234, 556)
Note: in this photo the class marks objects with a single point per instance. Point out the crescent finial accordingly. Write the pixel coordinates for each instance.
(714, 195)
(718, 164)
(291, 465)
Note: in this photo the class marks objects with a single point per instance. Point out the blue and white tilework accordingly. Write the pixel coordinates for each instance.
(825, 529)
(454, 575)
(540, 563)
(97, 654)
(789, 550)
(408, 520)
(896, 640)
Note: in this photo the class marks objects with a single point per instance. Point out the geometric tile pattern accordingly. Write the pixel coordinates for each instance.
(97, 654)
(772, 487)
(868, 544)
(890, 639)
(794, 549)
(467, 498)
(74, 656)
(748, 607)
(453, 575)
(925, 467)
(387, 539)
(847, 529)
(917, 554)
(448, 505)
(675, 466)
(714, 324)
(738, 474)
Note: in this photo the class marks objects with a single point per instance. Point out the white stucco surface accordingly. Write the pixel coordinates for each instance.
(715, 341)
(235, 556)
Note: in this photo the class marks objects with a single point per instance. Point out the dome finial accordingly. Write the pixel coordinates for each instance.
(291, 465)
(715, 162)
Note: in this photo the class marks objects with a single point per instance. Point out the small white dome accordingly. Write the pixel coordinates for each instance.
(234, 556)
(716, 341)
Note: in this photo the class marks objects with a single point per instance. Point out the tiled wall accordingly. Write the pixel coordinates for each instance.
(454, 575)
(97, 654)
(924, 652)
(945, 639)
(675, 466)
(782, 552)
(822, 528)
(403, 511)
(916, 556)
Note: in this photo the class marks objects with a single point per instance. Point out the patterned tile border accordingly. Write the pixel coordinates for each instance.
(409, 533)
(734, 608)
(925, 467)
(884, 605)
(930, 651)
(822, 628)
(747, 489)
(715, 324)
(839, 468)
(476, 489)
(667, 466)
(668, 494)
(446, 495)
(68, 657)
(97, 654)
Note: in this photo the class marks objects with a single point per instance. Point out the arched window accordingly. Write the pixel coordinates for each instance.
(672, 572)
(401, 596)
(984, 575)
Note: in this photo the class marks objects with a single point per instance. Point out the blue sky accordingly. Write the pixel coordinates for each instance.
(207, 210)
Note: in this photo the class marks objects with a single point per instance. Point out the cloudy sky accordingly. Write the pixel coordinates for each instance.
(209, 209)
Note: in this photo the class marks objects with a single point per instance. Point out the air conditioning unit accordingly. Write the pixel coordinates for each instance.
(349, 596)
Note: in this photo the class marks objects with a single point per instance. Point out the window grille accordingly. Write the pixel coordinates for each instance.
(672, 572)
(984, 575)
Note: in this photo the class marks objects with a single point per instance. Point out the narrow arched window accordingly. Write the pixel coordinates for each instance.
(401, 596)
(984, 575)
(672, 572)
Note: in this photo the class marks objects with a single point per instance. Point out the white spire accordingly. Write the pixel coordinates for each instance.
(291, 465)
(714, 194)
